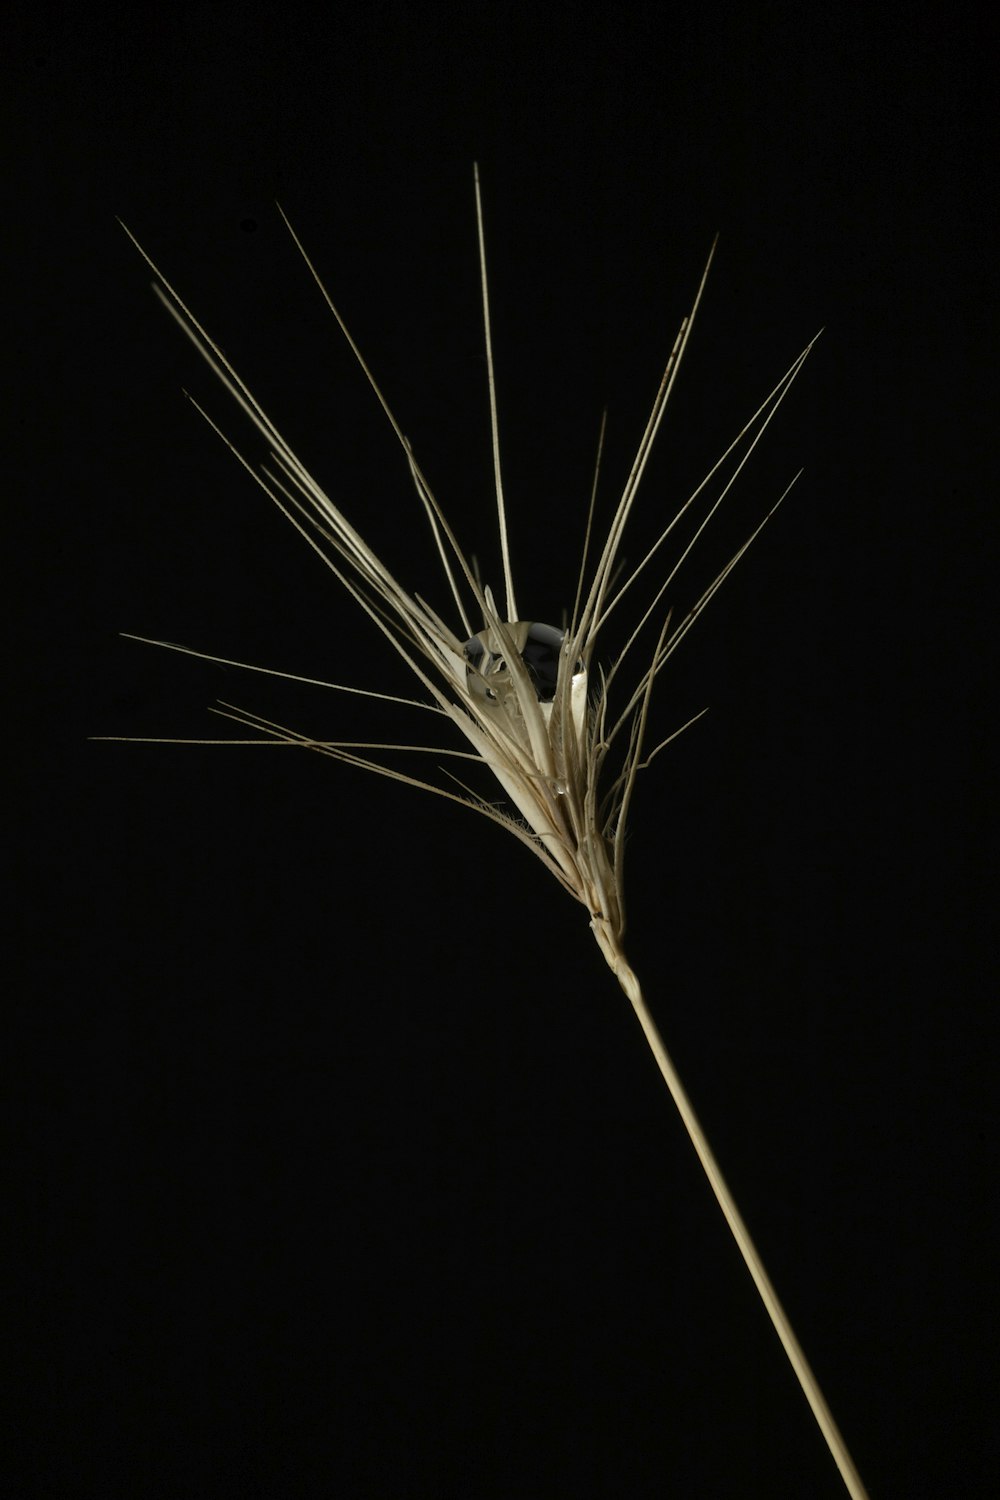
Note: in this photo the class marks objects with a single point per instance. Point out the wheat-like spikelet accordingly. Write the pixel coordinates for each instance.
(532, 702)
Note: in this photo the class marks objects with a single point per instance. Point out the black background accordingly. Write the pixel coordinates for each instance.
(340, 1164)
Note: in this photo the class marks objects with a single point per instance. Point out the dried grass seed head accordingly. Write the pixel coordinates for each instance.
(526, 696)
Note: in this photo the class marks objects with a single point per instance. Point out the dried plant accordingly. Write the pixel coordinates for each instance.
(532, 702)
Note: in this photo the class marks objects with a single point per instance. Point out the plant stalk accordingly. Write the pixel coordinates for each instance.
(807, 1380)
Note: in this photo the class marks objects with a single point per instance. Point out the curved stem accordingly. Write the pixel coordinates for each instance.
(807, 1380)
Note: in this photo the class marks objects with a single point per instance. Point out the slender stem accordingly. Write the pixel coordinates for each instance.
(807, 1380)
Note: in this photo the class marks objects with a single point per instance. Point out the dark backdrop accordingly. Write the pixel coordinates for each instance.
(340, 1165)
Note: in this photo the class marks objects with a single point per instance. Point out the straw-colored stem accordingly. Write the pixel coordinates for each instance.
(807, 1380)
